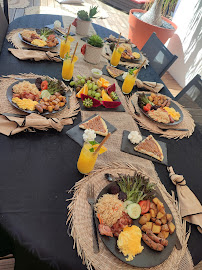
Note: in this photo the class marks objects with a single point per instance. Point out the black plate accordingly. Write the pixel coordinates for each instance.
(41, 47)
(128, 147)
(172, 104)
(10, 95)
(76, 133)
(148, 257)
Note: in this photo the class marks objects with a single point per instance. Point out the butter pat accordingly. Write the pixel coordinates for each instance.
(134, 137)
(89, 135)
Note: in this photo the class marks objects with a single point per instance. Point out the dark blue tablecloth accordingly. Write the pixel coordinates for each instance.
(38, 168)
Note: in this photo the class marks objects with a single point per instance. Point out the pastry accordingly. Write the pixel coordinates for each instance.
(97, 124)
(114, 72)
(150, 147)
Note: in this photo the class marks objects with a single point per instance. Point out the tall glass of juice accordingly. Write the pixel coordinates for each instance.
(116, 56)
(128, 83)
(65, 46)
(68, 67)
(87, 159)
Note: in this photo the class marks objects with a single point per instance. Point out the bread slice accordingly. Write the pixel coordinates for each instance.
(150, 147)
(114, 72)
(97, 124)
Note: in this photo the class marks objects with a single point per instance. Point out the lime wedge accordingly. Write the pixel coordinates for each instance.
(45, 94)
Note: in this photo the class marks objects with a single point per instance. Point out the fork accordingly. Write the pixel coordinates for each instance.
(180, 129)
(91, 201)
(69, 94)
(136, 112)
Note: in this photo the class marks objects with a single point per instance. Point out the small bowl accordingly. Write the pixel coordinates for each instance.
(97, 73)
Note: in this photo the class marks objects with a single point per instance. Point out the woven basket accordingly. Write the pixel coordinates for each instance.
(92, 54)
(82, 27)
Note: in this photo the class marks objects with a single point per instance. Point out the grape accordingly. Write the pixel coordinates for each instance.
(79, 82)
(95, 87)
(89, 92)
(76, 84)
(93, 93)
(100, 99)
(82, 81)
(72, 83)
(90, 86)
(96, 98)
(89, 81)
(97, 95)
(84, 77)
(79, 76)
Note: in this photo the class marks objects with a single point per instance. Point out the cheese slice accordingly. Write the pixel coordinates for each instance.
(150, 147)
(97, 124)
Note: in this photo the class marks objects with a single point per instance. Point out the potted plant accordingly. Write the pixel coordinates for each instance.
(83, 20)
(141, 28)
(92, 51)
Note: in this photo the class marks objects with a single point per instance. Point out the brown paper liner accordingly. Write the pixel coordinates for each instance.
(7, 107)
(79, 219)
(146, 123)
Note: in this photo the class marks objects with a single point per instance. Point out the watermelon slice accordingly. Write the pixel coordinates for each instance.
(96, 103)
(111, 104)
(111, 88)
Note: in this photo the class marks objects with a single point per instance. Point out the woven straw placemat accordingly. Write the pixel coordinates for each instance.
(7, 107)
(146, 123)
(80, 222)
(16, 3)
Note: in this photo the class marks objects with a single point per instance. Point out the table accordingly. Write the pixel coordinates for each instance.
(38, 168)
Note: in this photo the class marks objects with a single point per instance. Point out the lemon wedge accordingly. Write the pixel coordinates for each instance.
(102, 150)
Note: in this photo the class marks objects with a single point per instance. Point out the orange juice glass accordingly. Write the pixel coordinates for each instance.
(116, 56)
(65, 47)
(87, 159)
(128, 83)
(68, 68)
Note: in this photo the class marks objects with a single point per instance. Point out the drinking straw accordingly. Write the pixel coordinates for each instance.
(67, 33)
(118, 40)
(101, 144)
(74, 52)
(140, 68)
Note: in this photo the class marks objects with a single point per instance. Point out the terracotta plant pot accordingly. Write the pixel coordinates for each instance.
(139, 31)
(82, 27)
(92, 54)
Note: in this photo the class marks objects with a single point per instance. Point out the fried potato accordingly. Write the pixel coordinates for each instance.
(148, 216)
(169, 217)
(143, 220)
(164, 219)
(158, 222)
(171, 227)
(160, 215)
(156, 229)
(152, 213)
(165, 228)
(163, 234)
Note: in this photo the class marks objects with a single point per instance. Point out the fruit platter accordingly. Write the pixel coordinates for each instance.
(96, 94)
(43, 38)
(160, 108)
(134, 221)
(42, 96)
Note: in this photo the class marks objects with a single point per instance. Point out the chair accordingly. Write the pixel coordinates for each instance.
(159, 56)
(191, 98)
(4, 26)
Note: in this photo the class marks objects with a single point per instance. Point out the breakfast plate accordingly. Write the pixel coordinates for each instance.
(148, 257)
(172, 105)
(32, 81)
(41, 47)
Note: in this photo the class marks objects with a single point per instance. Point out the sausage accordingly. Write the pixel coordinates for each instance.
(168, 104)
(151, 243)
(39, 108)
(156, 239)
(171, 119)
(164, 103)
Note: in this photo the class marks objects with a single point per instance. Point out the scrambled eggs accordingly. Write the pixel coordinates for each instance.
(136, 55)
(175, 115)
(25, 104)
(129, 242)
(39, 42)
